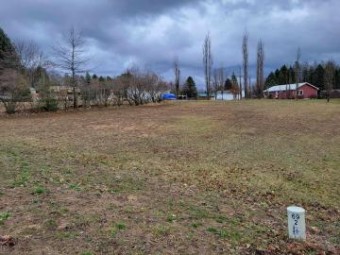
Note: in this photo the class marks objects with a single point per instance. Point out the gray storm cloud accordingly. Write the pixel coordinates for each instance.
(152, 33)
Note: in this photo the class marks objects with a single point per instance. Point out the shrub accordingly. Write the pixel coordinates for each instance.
(3, 217)
(49, 104)
(10, 107)
(38, 190)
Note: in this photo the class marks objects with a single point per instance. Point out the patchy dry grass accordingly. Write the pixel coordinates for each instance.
(175, 178)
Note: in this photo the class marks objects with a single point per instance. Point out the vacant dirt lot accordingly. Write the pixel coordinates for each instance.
(173, 178)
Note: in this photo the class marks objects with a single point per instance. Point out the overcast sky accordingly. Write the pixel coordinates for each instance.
(151, 33)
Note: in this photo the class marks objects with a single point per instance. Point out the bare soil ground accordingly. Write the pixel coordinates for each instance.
(171, 178)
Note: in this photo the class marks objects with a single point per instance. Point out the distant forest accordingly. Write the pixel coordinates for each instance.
(314, 74)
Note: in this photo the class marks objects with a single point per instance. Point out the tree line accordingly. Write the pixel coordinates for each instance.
(324, 75)
(24, 70)
(27, 75)
(314, 74)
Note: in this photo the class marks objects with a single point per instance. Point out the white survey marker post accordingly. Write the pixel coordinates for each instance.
(296, 222)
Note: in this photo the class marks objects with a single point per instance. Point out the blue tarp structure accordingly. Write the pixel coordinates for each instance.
(168, 96)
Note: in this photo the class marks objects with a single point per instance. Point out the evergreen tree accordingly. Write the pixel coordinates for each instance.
(5, 45)
(235, 88)
(88, 78)
(271, 80)
(41, 73)
(13, 87)
(228, 84)
(305, 73)
(291, 75)
(190, 88)
(283, 75)
(314, 74)
(234, 79)
(47, 98)
(8, 56)
(337, 79)
(318, 77)
(277, 74)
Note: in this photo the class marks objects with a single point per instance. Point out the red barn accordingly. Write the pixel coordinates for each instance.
(304, 90)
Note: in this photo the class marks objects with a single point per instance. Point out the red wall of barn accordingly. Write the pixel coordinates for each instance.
(283, 94)
(308, 91)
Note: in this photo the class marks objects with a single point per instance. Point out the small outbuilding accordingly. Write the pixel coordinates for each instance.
(300, 90)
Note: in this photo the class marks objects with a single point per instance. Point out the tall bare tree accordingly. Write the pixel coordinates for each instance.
(240, 85)
(215, 85)
(177, 72)
(207, 63)
(297, 71)
(245, 63)
(259, 70)
(70, 57)
(329, 76)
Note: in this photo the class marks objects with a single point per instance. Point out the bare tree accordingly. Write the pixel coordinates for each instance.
(297, 71)
(136, 92)
(215, 82)
(103, 90)
(70, 57)
(13, 89)
(207, 63)
(138, 87)
(31, 59)
(120, 88)
(177, 72)
(240, 85)
(218, 81)
(221, 80)
(245, 63)
(329, 76)
(154, 86)
(259, 70)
